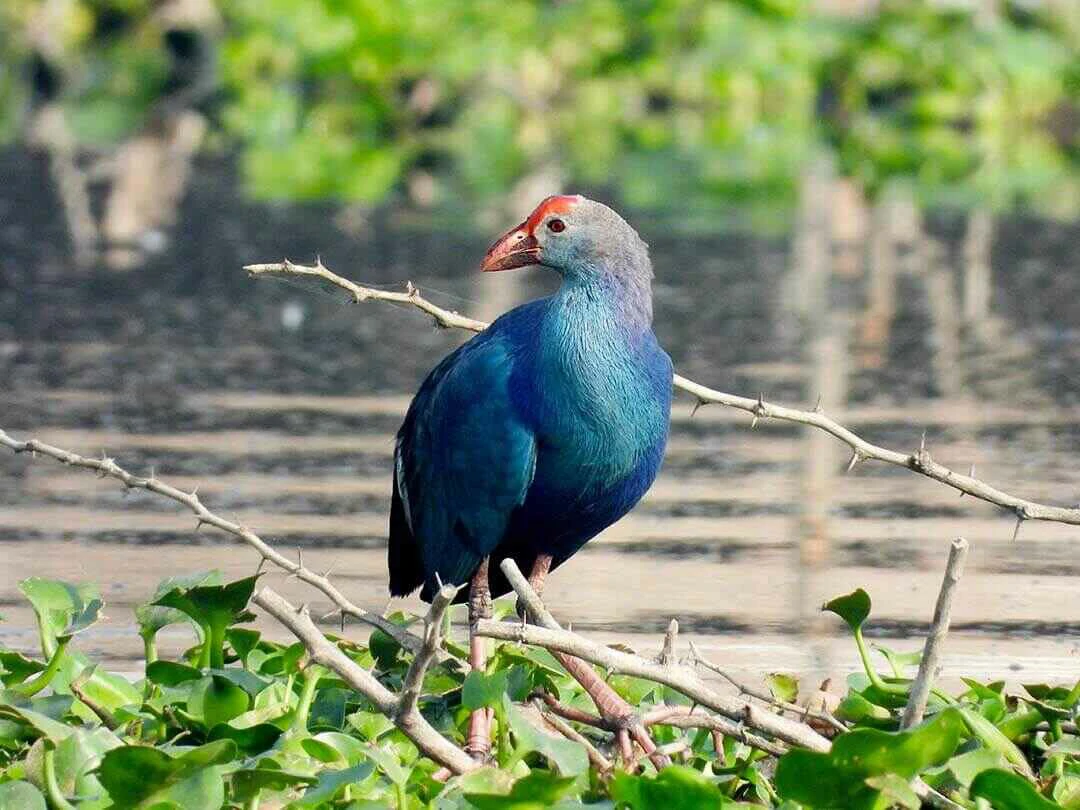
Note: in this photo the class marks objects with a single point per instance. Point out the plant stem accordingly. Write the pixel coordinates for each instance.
(52, 788)
(31, 688)
(150, 648)
(871, 673)
(312, 674)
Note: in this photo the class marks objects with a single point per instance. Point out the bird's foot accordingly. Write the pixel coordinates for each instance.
(617, 715)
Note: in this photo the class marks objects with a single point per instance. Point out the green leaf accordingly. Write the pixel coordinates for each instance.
(78, 756)
(783, 687)
(992, 737)
(675, 788)
(389, 763)
(839, 777)
(214, 608)
(567, 756)
(138, 776)
(246, 784)
(854, 608)
(330, 784)
(335, 748)
(21, 796)
(250, 740)
(894, 790)
(242, 641)
(61, 608)
(171, 673)
(1007, 791)
(538, 790)
(215, 700)
(899, 661)
(483, 691)
(152, 617)
(16, 667)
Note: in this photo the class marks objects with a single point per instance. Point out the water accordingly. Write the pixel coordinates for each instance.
(279, 401)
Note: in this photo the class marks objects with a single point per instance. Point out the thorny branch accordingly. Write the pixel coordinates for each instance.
(803, 711)
(106, 467)
(918, 461)
(402, 710)
(552, 637)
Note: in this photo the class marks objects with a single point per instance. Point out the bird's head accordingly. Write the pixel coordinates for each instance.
(578, 237)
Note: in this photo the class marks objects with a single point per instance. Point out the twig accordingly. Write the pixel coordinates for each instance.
(602, 763)
(413, 684)
(570, 713)
(553, 638)
(668, 657)
(108, 468)
(402, 711)
(939, 628)
(686, 717)
(803, 711)
(862, 450)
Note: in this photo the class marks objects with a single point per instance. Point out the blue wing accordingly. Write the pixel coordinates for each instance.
(464, 462)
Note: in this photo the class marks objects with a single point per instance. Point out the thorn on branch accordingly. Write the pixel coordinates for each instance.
(817, 406)
(698, 406)
(856, 457)
(1020, 518)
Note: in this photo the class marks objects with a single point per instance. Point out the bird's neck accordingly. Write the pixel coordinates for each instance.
(622, 295)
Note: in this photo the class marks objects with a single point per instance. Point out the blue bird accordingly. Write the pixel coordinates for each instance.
(544, 429)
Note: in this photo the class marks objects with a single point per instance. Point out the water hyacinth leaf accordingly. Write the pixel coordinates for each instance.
(35, 714)
(153, 617)
(328, 708)
(984, 691)
(894, 791)
(783, 686)
(78, 756)
(171, 673)
(140, 776)
(214, 608)
(537, 790)
(242, 641)
(246, 784)
(484, 691)
(57, 604)
(965, 767)
(284, 662)
(899, 661)
(330, 784)
(335, 748)
(16, 667)
(839, 776)
(1007, 791)
(384, 649)
(853, 608)
(388, 763)
(370, 725)
(248, 681)
(215, 700)
(674, 788)
(567, 756)
(250, 740)
(992, 737)
(20, 795)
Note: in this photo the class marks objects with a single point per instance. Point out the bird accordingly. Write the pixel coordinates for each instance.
(541, 431)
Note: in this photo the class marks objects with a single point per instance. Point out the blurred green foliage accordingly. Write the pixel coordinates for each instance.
(659, 100)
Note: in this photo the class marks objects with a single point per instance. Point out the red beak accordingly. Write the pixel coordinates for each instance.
(516, 248)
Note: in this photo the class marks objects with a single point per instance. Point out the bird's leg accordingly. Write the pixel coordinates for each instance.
(478, 743)
(618, 715)
(541, 566)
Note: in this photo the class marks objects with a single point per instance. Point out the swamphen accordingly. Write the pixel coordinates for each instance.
(543, 430)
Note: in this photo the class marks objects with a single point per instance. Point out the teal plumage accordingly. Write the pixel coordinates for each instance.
(546, 428)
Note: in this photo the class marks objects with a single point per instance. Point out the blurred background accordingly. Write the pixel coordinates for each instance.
(872, 203)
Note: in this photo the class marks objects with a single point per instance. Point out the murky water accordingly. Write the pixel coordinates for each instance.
(280, 401)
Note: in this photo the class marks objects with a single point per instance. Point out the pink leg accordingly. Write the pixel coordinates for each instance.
(618, 715)
(478, 743)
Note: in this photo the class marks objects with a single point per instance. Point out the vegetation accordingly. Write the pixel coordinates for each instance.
(666, 101)
(241, 721)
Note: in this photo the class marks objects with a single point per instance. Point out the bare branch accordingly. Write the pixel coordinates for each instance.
(107, 468)
(939, 628)
(433, 625)
(602, 763)
(803, 711)
(686, 717)
(402, 711)
(685, 680)
(862, 450)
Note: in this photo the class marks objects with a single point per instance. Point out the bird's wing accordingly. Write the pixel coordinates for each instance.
(464, 461)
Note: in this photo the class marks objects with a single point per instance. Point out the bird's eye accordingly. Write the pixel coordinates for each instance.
(556, 225)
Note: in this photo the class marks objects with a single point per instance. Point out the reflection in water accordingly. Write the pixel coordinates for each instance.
(280, 404)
